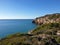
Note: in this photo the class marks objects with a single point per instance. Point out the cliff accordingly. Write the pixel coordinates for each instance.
(49, 18)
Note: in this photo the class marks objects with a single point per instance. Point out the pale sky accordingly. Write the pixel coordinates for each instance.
(27, 9)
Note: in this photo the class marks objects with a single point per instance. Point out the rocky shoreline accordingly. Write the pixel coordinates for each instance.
(49, 18)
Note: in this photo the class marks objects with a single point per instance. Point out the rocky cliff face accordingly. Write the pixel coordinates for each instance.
(49, 18)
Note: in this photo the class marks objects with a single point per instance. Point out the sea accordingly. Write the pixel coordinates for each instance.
(12, 26)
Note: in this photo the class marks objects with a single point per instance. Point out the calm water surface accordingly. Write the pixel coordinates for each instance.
(12, 26)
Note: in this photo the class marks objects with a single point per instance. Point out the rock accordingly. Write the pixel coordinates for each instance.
(50, 18)
(58, 32)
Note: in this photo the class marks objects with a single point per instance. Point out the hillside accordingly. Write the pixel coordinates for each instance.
(49, 18)
(44, 34)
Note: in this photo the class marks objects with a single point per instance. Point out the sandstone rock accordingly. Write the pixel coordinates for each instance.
(50, 18)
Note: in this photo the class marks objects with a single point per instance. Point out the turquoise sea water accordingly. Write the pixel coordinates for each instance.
(11, 26)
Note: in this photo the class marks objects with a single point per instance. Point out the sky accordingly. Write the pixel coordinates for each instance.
(27, 9)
